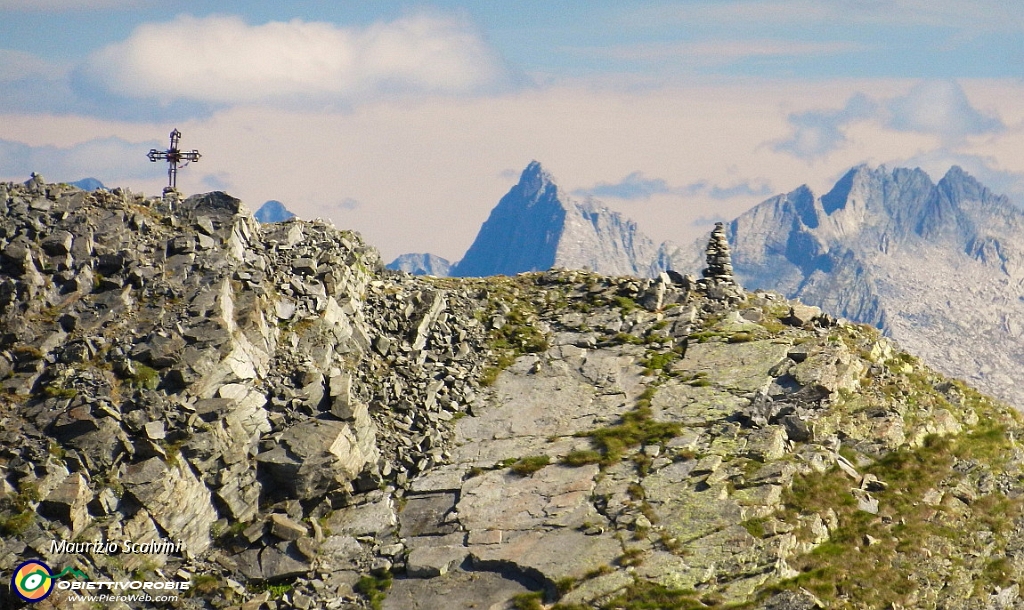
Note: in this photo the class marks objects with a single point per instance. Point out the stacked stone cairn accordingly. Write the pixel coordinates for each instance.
(719, 282)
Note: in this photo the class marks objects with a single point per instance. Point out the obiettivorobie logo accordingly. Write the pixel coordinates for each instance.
(33, 580)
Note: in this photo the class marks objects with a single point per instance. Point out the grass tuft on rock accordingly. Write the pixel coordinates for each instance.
(530, 464)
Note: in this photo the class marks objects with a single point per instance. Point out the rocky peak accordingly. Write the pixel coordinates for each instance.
(522, 231)
(536, 226)
(534, 181)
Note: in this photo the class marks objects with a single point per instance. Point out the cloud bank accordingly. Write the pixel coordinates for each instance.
(636, 186)
(938, 108)
(224, 60)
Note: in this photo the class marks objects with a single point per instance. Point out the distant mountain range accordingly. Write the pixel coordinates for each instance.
(536, 226)
(88, 184)
(422, 264)
(939, 267)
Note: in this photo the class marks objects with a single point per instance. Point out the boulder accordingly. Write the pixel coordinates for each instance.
(175, 498)
(316, 456)
(68, 503)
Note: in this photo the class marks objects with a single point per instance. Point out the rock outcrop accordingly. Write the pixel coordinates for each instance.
(286, 424)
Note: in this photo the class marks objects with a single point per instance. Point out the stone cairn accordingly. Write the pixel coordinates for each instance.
(718, 281)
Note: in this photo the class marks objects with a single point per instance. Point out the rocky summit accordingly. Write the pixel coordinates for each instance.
(937, 266)
(280, 423)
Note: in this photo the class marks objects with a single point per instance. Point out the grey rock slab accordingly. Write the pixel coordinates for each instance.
(504, 501)
(522, 406)
(487, 453)
(767, 444)
(829, 370)
(424, 515)
(673, 571)
(694, 405)
(738, 367)
(176, 499)
(792, 600)
(686, 510)
(433, 561)
(729, 554)
(594, 588)
(68, 502)
(369, 519)
(800, 314)
(610, 371)
(456, 590)
(339, 552)
(272, 563)
(444, 478)
(555, 554)
(285, 528)
(316, 456)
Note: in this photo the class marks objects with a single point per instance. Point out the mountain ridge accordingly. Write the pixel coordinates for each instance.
(935, 265)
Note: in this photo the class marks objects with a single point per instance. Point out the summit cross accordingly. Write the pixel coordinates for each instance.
(174, 158)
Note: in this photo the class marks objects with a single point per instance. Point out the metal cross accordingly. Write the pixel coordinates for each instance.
(174, 157)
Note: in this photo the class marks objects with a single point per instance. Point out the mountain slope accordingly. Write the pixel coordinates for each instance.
(316, 432)
(939, 267)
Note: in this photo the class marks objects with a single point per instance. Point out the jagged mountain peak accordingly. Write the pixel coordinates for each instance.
(535, 177)
(536, 226)
(932, 264)
(959, 186)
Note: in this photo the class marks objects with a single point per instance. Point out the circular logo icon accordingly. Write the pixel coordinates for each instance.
(32, 581)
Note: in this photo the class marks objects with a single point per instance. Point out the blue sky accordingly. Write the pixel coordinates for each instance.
(407, 121)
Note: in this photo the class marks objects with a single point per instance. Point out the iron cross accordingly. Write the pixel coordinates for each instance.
(174, 158)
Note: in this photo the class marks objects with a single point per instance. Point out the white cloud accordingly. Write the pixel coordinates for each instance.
(19, 65)
(223, 60)
(818, 132)
(935, 108)
(637, 186)
(939, 107)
